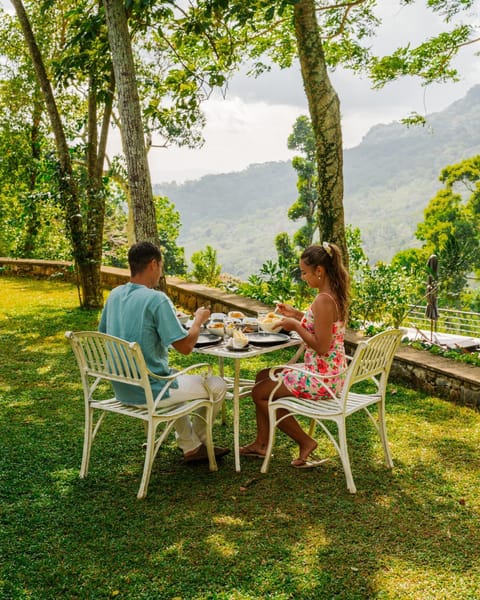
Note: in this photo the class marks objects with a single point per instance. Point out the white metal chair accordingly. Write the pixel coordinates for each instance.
(372, 361)
(103, 357)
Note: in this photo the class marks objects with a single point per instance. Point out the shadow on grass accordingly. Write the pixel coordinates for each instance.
(411, 532)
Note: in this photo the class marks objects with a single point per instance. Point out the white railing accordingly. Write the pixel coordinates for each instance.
(458, 322)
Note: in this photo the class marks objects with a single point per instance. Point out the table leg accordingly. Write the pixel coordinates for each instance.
(236, 414)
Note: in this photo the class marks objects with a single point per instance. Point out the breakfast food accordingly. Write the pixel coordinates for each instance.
(216, 328)
(271, 317)
(240, 336)
(269, 322)
(236, 314)
(240, 340)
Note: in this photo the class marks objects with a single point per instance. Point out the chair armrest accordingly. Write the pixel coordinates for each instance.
(276, 375)
(171, 378)
(182, 372)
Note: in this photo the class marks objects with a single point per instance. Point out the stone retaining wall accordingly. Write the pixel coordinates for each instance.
(435, 375)
(187, 295)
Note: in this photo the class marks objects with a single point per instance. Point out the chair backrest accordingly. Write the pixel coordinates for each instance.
(373, 359)
(104, 357)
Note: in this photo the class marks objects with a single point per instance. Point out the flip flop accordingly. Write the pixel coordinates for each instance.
(300, 463)
(251, 454)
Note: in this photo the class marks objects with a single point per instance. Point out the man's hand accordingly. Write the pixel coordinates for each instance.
(202, 315)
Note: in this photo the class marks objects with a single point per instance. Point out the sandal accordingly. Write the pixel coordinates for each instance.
(249, 453)
(307, 463)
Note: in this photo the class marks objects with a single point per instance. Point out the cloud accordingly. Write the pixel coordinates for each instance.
(238, 133)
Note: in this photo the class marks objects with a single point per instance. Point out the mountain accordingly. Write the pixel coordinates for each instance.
(389, 179)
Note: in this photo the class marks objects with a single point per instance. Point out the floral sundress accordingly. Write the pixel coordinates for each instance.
(332, 364)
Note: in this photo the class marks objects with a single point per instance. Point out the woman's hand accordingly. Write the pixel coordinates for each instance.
(288, 323)
(289, 311)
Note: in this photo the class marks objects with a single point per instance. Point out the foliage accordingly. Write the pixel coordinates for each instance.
(458, 354)
(471, 300)
(169, 224)
(382, 294)
(451, 228)
(306, 206)
(277, 282)
(205, 267)
(433, 60)
(223, 535)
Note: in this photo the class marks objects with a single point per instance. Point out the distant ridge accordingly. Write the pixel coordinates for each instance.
(389, 179)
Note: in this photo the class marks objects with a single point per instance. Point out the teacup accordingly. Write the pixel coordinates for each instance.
(218, 316)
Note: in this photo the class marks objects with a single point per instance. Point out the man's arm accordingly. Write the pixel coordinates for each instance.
(187, 344)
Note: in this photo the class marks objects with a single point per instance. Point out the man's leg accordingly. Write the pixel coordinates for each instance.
(191, 436)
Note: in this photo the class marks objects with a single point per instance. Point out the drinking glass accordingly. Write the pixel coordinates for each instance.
(229, 327)
(261, 315)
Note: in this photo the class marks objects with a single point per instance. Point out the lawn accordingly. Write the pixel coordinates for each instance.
(408, 533)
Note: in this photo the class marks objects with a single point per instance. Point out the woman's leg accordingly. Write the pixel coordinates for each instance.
(260, 394)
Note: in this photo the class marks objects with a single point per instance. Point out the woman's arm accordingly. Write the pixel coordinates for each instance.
(324, 312)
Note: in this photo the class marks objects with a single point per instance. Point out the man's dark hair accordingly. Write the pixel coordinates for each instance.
(140, 255)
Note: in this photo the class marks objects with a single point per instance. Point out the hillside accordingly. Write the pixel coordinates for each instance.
(389, 179)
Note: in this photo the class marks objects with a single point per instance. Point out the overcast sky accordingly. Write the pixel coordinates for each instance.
(254, 121)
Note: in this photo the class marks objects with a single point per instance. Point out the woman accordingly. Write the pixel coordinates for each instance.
(322, 328)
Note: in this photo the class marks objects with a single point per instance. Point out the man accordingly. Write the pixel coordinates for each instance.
(138, 313)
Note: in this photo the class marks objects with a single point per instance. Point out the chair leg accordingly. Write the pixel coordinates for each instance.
(342, 439)
(212, 462)
(87, 442)
(271, 438)
(147, 466)
(382, 430)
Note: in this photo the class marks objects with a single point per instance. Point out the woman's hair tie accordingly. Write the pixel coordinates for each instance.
(327, 248)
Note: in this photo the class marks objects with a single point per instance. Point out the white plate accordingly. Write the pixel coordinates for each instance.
(267, 339)
(206, 339)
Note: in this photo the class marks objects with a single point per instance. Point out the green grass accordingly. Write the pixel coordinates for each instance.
(408, 533)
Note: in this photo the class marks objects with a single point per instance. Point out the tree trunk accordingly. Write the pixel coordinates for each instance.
(324, 108)
(133, 141)
(88, 265)
(32, 224)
